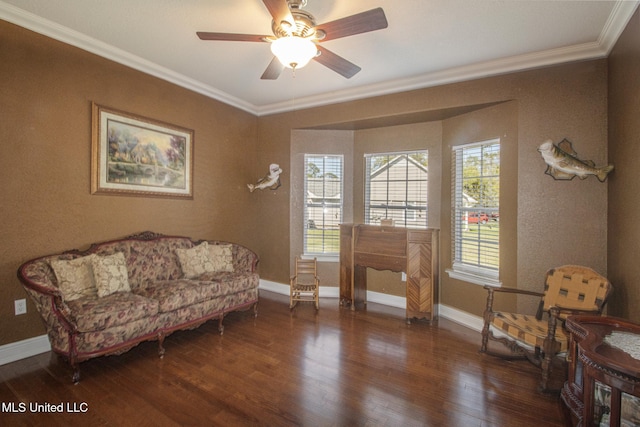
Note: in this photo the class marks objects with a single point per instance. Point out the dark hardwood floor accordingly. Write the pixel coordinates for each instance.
(333, 368)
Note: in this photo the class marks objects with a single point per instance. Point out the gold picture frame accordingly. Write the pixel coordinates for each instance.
(136, 156)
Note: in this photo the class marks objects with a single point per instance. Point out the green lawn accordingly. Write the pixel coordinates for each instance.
(315, 239)
(487, 254)
(480, 244)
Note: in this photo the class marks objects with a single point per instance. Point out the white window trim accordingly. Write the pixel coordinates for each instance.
(366, 181)
(475, 275)
(322, 256)
(467, 273)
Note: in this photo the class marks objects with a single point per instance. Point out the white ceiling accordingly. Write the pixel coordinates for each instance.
(427, 42)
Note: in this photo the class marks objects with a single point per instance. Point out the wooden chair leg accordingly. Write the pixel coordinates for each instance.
(485, 337)
(487, 321)
(546, 368)
(549, 348)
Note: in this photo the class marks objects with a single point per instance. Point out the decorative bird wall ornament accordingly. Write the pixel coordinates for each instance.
(563, 163)
(270, 180)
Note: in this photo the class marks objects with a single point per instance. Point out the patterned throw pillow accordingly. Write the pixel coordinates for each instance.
(75, 277)
(195, 261)
(221, 257)
(110, 274)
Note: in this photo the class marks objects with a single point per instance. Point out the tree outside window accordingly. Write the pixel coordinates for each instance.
(476, 208)
(323, 203)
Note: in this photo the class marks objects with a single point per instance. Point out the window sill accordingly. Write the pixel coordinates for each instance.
(475, 276)
(322, 257)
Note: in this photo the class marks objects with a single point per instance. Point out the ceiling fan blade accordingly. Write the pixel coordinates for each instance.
(370, 20)
(273, 70)
(231, 37)
(279, 10)
(337, 63)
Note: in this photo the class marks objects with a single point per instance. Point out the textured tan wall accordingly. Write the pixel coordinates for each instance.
(500, 121)
(45, 92)
(418, 136)
(624, 182)
(318, 142)
(557, 222)
(353, 144)
(46, 89)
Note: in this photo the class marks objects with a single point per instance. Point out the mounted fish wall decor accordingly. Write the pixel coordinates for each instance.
(271, 180)
(563, 163)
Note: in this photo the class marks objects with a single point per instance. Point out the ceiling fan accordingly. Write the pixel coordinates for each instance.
(295, 33)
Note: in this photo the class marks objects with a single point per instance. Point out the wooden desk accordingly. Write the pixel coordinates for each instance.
(604, 380)
(398, 249)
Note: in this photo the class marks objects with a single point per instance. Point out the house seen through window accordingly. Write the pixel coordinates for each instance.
(323, 203)
(396, 188)
(476, 211)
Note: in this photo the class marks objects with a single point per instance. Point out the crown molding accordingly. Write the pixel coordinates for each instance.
(61, 33)
(617, 22)
(451, 75)
(615, 25)
(618, 19)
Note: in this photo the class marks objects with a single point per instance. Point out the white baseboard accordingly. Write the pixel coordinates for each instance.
(463, 318)
(334, 292)
(276, 287)
(23, 349)
(32, 346)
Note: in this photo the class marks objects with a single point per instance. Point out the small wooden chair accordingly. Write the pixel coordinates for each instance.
(305, 283)
(568, 290)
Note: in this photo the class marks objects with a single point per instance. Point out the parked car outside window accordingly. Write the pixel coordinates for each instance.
(477, 218)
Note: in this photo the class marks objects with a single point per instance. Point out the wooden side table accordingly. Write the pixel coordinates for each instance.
(603, 388)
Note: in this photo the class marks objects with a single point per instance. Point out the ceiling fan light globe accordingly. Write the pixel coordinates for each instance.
(294, 52)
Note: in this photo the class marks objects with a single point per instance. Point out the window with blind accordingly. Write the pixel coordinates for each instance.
(476, 212)
(396, 188)
(323, 204)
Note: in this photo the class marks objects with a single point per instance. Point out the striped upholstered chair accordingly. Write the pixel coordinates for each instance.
(568, 290)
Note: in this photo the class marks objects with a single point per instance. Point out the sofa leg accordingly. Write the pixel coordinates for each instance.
(255, 309)
(73, 359)
(220, 325)
(76, 373)
(161, 344)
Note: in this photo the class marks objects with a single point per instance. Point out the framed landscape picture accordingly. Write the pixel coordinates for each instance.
(137, 156)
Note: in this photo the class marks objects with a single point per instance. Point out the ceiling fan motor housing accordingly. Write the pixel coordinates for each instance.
(304, 25)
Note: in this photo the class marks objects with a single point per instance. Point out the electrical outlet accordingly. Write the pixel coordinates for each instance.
(20, 306)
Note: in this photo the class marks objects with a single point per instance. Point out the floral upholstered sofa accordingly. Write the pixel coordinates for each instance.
(114, 295)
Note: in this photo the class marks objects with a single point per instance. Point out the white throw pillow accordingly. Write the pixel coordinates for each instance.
(110, 274)
(75, 277)
(195, 261)
(221, 257)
